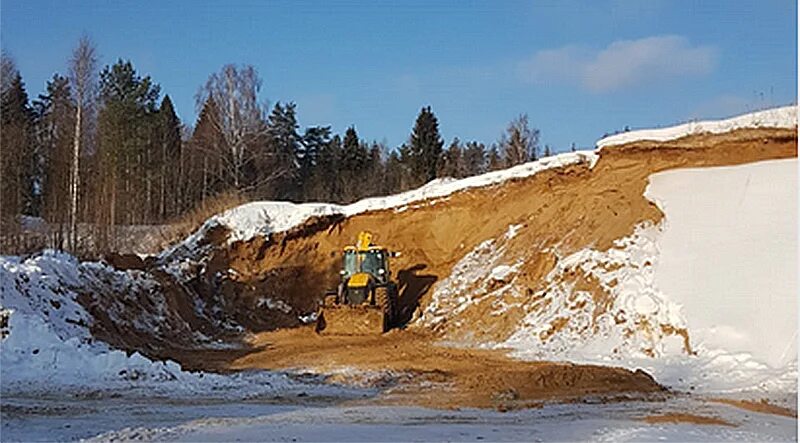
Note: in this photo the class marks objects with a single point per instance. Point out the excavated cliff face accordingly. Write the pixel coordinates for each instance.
(554, 260)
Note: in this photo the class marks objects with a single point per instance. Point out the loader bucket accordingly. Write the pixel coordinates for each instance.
(351, 320)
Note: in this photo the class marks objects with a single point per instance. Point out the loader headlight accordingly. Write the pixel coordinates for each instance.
(381, 271)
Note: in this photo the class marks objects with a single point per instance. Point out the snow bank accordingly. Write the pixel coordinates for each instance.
(48, 334)
(728, 255)
(264, 218)
(785, 117)
(722, 266)
(47, 344)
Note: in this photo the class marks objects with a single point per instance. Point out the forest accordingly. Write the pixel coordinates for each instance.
(102, 148)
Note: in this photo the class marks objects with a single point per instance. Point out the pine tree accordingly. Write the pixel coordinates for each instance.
(425, 147)
(171, 160)
(547, 151)
(18, 188)
(353, 166)
(315, 140)
(495, 160)
(375, 180)
(55, 115)
(278, 172)
(452, 162)
(206, 172)
(327, 177)
(126, 131)
(393, 174)
(474, 159)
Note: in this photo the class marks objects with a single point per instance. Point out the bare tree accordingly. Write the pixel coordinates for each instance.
(8, 70)
(520, 143)
(83, 79)
(239, 116)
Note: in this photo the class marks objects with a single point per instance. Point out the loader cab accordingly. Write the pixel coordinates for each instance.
(373, 261)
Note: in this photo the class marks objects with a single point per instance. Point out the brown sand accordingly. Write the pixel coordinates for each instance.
(678, 418)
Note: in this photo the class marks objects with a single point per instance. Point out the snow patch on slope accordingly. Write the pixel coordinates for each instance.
(635, 319)
(785, 117)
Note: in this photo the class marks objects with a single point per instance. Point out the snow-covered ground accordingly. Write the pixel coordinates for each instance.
(784, 117)
(587, 422)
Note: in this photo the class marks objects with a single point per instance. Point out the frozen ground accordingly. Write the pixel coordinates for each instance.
(584, 422)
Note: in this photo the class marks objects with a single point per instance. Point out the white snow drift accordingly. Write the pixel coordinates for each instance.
(48, 335)
(785, 117)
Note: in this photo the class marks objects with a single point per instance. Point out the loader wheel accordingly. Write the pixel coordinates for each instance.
(384, 299)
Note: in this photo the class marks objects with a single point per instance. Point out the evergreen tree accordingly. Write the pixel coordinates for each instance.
(315, 140)
(171, 160)
(327, 176)
(353, 166)
(393, 174)
(127, 122)
(425, 147)
(474, 159)
(279, 170)
(495, 160)
(206, 170)
(55, 115)
(20, 172)
(547, 151)
(376, 182)
(452, 162)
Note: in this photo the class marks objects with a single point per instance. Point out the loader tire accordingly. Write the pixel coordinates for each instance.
(384, 299)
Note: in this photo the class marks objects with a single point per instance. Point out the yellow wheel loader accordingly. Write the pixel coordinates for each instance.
(365, 300)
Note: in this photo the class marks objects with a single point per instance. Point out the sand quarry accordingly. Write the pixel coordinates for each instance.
(528, 291)
(426, 362)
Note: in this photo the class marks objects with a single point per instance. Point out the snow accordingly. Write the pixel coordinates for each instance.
(264, 218)
(784, 117)
(722, 264)
(571, 422)
(728, 255)
(630, 326)
(49, 334)
(48, 338)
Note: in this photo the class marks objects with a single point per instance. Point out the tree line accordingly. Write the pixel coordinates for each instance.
(102, 148)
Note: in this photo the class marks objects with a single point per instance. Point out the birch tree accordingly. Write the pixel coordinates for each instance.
(239, 117)
(520, 143)
(83, 82)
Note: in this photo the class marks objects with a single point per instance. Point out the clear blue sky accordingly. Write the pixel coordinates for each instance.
(577, 68)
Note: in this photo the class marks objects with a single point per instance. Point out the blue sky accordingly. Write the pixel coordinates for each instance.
(577, 68)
